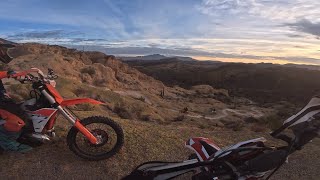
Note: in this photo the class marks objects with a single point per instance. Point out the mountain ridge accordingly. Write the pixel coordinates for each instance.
(156, 57)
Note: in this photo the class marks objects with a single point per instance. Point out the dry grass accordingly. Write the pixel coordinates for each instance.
(143, 142)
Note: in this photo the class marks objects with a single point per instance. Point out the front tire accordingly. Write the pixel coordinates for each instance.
(75, 138)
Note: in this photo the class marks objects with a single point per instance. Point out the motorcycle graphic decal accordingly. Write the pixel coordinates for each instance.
(203, 147)
(40, 118)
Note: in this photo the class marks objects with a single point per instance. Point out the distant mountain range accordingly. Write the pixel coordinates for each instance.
(155, 57)
(162, 58)
(3, 41)
(304, 66)
(263, 82)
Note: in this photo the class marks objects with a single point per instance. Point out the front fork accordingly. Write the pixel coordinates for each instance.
(74, 121)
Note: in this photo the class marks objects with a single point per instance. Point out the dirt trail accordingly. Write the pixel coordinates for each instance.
(134, 94)
(226, 112)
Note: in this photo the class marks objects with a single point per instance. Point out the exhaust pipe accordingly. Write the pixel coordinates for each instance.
(40, 137)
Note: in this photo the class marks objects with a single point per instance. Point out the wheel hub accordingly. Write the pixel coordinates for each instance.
(102, 137)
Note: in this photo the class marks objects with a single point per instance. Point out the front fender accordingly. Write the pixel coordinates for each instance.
(70, 102)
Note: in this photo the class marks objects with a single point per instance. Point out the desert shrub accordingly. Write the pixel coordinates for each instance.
(122, 112)
(257, 128)
(99, 82)
(201, 126)
(80, 91)
(146, 117)
(68, 58)
(236, 126)
(137, 109)
(218, 124)
(141, 98)
(179, 118)
(90, 70)
(286, 110)
(273, 121)
(251, 120)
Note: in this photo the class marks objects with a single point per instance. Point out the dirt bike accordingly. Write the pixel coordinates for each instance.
(247, 160)
(93, 138)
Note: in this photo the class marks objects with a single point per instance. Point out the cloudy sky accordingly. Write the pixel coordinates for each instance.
(278, 31)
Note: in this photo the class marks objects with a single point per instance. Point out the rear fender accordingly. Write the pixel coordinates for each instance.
(70, 102)
(203, 153)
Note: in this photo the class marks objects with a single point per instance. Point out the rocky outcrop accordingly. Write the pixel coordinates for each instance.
(91, 67)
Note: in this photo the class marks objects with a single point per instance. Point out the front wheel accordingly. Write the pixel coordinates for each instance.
(109, 134)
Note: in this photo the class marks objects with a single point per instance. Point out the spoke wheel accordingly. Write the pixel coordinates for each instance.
(108, 133)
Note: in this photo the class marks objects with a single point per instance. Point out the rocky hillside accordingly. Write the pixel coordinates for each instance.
(94, 68)
(131, 94)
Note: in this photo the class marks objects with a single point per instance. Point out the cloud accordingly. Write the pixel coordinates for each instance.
(274, 10)
(38, 34)
(295, 35)
(305, 26)
(220, 47)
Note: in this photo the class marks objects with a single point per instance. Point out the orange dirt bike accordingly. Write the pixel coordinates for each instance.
(93, 138)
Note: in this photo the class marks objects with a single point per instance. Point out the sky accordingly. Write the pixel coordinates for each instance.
(273, 31)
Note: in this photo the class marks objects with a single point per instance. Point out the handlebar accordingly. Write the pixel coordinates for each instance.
(27, 76)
